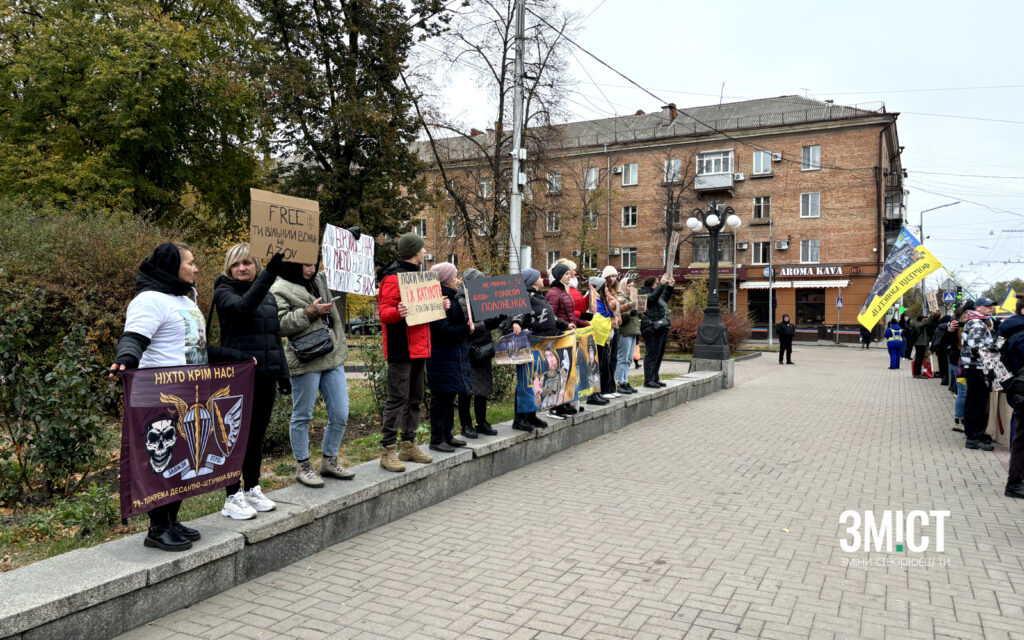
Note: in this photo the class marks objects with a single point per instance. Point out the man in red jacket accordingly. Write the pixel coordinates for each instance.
(406, 349)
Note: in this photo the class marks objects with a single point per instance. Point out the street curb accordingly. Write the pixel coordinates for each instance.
(103, 591)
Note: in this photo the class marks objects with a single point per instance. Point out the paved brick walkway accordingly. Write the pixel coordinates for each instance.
(719, 519)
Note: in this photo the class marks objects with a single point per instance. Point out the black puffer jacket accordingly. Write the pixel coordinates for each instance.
(657, 305)
(247, 313)
(542, 321)
(448, 365)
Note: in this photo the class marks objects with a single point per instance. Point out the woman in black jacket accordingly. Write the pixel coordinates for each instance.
(248, 323)
(655, 326)
(448, 365)
(481, 377)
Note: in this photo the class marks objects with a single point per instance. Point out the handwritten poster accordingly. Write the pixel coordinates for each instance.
(421, 293)
(284, 223)
(348, 263)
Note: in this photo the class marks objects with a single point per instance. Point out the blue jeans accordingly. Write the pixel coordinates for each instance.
(961, 397)
(334, 388)
(625, 358)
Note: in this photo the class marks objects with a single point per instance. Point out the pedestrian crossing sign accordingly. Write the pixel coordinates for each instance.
(948, 296)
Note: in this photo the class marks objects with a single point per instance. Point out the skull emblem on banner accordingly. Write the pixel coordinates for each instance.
(160, 438)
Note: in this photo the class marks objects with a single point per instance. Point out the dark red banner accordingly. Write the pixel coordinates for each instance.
(499, 296)
(184, 432)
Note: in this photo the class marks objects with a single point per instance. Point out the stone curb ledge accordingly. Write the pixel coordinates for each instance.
(103, 591)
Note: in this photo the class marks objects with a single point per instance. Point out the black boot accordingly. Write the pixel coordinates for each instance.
(535, 421)
(468, 431)
(167, 538)
(521, 423)
(1014, 488)
(485, 428)
(186, 532)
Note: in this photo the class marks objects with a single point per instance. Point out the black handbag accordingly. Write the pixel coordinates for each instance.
(661, 323)
(312, 345)
(479, 354)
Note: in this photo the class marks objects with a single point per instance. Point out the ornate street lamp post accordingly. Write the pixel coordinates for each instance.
(712, 342)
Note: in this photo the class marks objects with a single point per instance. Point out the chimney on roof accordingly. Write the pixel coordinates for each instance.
(475, 132)
(829, 101)
(671, 111)
(639, 112)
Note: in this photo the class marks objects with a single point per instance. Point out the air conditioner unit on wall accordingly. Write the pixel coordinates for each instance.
(777, 156)
(428, 256)
(782, 245)
(740, 246)
(617, 169)
(616, 251)
(738, 177)
(577, 252)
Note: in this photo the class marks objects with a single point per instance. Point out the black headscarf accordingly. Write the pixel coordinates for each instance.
(159, 272)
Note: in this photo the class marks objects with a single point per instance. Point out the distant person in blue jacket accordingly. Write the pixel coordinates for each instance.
(894, 341)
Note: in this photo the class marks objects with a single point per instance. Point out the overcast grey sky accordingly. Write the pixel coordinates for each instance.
(918, 57)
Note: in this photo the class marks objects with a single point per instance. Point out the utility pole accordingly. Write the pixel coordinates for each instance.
(518, 152)
(771, 281)
(924, 300)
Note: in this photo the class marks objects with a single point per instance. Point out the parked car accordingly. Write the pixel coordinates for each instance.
(363, 326)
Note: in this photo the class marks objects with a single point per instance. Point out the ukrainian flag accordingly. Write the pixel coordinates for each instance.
(1009, 304)
(908, 263)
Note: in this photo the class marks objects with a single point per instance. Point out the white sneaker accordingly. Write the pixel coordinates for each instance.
(555, 416)
(258, 501)
(236, 508)
(610, 396)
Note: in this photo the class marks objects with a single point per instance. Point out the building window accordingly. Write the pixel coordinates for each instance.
(419, 227)
(673, 215)
(628, 216)
(553, 257)
(629, 257)
(591, 216)
(762, 253)
(714, 162)
(554, 221)
(589, 259)
(809, 251)
(454, 259)
(762, 162)
(450, 188)
(590, 177)
(810, 158)
(485, 188)
(700, 249)
(673, 170)
(630, 173)
(481, 227)
(762, 207)
(451, 228)
(810, 306)
(810, 205)
(554, 182)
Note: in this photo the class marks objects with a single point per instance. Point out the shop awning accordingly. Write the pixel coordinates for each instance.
(820, 284)
(763, 284)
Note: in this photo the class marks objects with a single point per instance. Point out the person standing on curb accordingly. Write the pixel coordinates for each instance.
(1012, 331)
(655, 326)
(629, 332)
(301, 292)
(564, 307)
(247, 313)
(894, 342)
(919, 331)
(977, 335)
(481, 368)
(406, 349)
(785, 332)
(448, 365)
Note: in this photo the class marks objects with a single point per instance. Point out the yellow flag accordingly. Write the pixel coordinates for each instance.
(1009, 304)
(907, 264)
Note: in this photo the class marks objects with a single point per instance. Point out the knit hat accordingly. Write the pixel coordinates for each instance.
(968, 306)
(557, 272)
(409, 245)
(530, 276)
(472, 274)
(596, 282)
(445, 271)
(609, 271)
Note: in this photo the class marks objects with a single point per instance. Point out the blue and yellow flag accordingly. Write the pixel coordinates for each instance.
(907, 264)
(1009, 304)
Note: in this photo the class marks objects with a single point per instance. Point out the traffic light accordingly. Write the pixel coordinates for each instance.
(959, 294)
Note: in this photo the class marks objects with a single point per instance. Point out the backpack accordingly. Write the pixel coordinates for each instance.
(938, 338)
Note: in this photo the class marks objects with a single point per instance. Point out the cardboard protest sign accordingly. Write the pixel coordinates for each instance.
(283, 223)
(513, 349)
(348, 263)
(421, 293)
(673, 245)
(184, 432)
(552, 376)
(641, 303)
(499, 296)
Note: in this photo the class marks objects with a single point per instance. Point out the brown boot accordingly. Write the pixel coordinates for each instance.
(389, 459)
(411, 453)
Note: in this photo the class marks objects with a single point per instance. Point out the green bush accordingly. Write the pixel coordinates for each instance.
(276, 441)
(375, 367)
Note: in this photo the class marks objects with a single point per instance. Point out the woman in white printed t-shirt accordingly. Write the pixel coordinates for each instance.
(164, 328)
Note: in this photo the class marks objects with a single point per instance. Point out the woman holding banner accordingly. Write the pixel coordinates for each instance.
(448, 364)
(300, 293)
(247, 312)
(564, 306)
(481, 376)
(164, 328)
(607, 307)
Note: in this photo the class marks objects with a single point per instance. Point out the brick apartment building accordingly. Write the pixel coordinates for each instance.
(818, 186)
